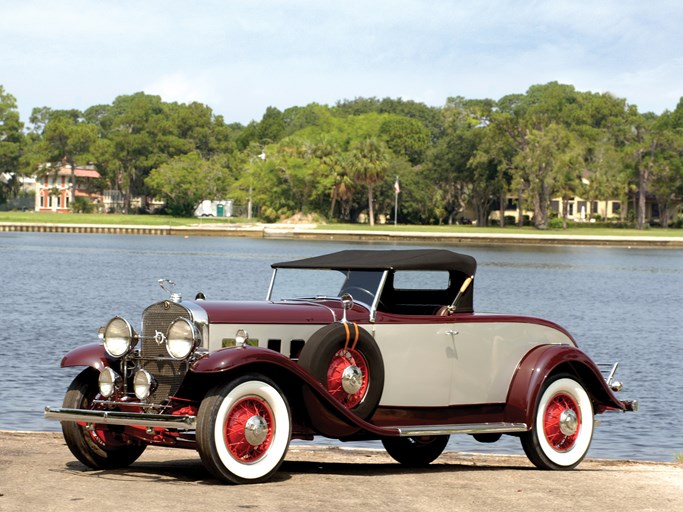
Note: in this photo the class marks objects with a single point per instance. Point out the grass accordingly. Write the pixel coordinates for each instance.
(165, 220)
(525, 230)
(679, 458)
(109, 218)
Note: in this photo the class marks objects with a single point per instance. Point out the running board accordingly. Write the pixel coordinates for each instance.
(468, 428)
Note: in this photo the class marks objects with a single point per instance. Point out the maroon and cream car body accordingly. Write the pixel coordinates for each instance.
(386, 347)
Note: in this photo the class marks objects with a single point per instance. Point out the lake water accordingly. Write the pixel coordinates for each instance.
(621, 304)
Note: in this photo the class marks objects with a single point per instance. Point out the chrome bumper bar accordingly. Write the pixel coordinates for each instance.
(122, 418)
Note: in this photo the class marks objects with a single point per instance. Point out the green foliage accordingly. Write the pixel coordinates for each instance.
(187, 180)
(82, 205)
(11, 144)
(463, 159)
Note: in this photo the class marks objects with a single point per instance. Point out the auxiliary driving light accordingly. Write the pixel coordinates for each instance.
(143, 384)
(119, 337)
(182, 338)
(108, 382)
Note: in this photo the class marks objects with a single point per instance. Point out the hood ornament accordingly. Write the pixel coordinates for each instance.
(167, 285)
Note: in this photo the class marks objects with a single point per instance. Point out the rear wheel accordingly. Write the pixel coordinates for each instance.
(243, 429)
(563, 425)
(415, 451)
(98, 448)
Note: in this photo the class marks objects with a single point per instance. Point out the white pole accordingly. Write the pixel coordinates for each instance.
(396, 191)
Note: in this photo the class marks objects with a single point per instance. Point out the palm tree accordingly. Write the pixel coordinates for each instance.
(370, 164)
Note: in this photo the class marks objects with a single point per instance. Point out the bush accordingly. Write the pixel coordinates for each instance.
(82, 205)
(555, 223)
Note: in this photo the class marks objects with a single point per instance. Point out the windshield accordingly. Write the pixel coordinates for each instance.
(311, 283)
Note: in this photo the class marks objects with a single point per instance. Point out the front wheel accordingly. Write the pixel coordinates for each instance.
(98, 448)
(415, 451)
(243, 429)
(563, 425)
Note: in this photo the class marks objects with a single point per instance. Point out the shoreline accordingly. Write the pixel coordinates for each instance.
(312, 232)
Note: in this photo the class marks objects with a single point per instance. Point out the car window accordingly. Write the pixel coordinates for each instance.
(421, 280)
(292, 283)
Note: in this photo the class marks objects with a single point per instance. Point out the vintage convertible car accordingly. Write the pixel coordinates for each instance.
(386, 346)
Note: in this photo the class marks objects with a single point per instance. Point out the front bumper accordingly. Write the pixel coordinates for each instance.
(184, 422)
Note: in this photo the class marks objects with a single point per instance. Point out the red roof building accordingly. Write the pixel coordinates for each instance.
(53, 190)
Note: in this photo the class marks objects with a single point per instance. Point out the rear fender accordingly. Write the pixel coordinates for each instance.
(92, 354)
(538, 365)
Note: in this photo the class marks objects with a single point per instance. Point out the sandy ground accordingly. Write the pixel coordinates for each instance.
(37, 472)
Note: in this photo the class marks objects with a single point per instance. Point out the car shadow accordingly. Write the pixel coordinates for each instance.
(193, 472)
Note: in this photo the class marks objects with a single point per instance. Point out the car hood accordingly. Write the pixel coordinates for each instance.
(264, 312)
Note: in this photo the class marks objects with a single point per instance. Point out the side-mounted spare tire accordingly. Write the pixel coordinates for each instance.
(346, 360)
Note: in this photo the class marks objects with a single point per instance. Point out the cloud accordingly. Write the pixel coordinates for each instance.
(240, 57)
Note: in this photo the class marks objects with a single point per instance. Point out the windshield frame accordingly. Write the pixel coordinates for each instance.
(372, 307)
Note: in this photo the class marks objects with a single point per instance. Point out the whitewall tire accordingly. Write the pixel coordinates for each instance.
(243, 429)
(563, 425)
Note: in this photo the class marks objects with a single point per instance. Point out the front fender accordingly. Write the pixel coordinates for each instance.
(331, 418)
(538, 365)
(92, 354)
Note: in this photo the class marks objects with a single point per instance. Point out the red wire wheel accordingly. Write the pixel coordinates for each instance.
(249, 429)
(348, 377)
(562, 422)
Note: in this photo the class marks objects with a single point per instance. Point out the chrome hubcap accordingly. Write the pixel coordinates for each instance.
(256, 430)
(352, 379)
(569, 422)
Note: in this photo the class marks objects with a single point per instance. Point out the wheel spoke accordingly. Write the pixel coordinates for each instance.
(559, 405)
(340, 362)
(236, 429)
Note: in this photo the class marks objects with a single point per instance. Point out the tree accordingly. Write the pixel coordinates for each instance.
(11, 143)
(186, 180)
(406, 137)
(141, 133)
(67, 140)
(370, 163)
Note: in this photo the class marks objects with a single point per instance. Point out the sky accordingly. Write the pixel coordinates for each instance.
(240, 57)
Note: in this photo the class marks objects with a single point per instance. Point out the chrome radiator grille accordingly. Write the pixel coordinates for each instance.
(168, 372)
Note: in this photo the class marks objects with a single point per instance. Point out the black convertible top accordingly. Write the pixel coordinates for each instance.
(410, 259)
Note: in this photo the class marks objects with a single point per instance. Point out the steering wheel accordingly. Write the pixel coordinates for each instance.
(363, 290)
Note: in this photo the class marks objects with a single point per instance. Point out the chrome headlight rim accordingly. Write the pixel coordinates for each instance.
(119, 337)
(182, 338)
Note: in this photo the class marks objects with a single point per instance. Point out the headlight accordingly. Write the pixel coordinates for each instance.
(143, 384)
(181, 339)
(119, 337)
(108, 381)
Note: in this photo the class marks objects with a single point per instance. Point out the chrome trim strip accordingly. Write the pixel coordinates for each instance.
(122, 418)
(469, 428)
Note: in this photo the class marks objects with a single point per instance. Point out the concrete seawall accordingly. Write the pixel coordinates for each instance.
(310, 232)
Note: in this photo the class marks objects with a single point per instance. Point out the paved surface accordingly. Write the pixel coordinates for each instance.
(37, 472)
